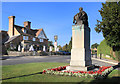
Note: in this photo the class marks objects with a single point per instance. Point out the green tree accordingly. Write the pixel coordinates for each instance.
(65, 48)
(70, 45)
(60, 48)
(110, 24)
(50, 43)
(94, 45)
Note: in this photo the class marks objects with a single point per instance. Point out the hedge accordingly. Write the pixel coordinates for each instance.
(103, 48)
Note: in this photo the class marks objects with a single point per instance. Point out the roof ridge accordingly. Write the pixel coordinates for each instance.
(19, 26)
(40, 28)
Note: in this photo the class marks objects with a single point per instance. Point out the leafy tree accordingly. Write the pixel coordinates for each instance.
(60, 48)
(70, 45)
(94, 45)
(65, 48)
(110, 24)
(50, 43)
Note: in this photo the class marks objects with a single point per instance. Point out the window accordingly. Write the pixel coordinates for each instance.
(41, 35)
(33, 39)
(41, 40)
(25, 31)
(25, 37)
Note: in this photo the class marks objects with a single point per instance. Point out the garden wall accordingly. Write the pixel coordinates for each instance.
(16, 53)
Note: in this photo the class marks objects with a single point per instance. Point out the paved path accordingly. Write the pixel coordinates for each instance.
(65, 59)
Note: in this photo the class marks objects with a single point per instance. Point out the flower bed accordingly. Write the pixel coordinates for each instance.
(101, 73)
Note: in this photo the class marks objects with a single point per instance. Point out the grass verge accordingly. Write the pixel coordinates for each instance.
(30, 73)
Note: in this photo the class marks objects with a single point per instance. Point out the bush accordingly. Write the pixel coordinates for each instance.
(103, 48)
(117, 53)
(93, 52)
(42, 53)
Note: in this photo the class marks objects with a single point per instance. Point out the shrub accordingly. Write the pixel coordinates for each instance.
(103, 48)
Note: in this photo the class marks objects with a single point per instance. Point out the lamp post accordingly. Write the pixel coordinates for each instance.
(55, 38)
(55, 43)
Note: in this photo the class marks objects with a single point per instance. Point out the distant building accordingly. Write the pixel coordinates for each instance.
(25, 36)
(3, 38)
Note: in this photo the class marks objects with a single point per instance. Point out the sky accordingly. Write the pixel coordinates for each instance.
(56, 18)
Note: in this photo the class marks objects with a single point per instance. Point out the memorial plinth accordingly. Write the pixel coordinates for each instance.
(80, 53)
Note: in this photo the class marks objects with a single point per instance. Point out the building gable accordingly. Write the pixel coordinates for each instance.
(42, 35)
(18, 29)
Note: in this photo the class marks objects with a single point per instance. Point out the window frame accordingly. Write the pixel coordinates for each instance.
(34, 39)
(41, 40)
(25, 37)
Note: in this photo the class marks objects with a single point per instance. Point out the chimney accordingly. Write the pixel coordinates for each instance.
(11, 25)
(27, 24)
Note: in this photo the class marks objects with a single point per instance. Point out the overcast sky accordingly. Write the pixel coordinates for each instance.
(56, 18)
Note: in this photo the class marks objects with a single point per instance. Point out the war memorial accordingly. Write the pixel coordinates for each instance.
(80, 63)
(80, 53)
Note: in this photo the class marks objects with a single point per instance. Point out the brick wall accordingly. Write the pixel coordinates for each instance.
(11, 26)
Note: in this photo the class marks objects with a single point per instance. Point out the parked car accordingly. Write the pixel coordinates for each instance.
(64, 53)
(68, 53)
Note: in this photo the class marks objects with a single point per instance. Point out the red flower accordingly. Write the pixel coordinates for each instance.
(100, 73)
(63, 68)
(44, 71)
(103, 70)
(59, 68)
(73, 72)
(81, 71)
(89, 72)
(103, 66)
(98, 70)
(85, 72)
(108, 66)
(67, 71)
(52, 69)
(95, 72)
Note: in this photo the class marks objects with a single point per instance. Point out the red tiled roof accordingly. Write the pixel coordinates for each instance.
(38, 32)
(11, 39)
(33, 32)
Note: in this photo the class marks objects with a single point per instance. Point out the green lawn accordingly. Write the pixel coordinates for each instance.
(30, 70)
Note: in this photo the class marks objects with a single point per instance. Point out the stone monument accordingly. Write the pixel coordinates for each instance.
(80, 53)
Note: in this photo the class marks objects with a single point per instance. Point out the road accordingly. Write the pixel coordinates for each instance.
(30, 59)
